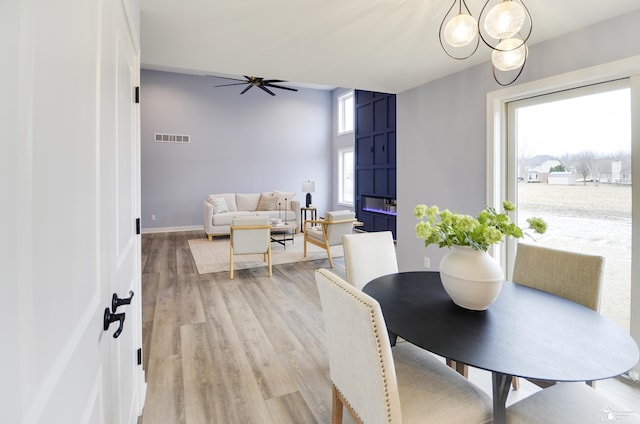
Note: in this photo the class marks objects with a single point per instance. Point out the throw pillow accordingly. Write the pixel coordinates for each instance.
(247, 201)
(266, 203)
(339, 215)
(219, 205)
(229, 198)
(283, 199)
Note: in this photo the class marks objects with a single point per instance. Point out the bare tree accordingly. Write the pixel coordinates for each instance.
(567, 160)
(585, 165)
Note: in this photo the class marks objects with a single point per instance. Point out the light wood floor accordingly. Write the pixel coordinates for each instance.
(248, 350)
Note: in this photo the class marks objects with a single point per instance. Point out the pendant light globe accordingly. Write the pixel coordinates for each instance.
(461, 30)
(504, 20)
(510, 54)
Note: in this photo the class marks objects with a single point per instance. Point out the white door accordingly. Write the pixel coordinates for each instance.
(120, 194)
(68, 181)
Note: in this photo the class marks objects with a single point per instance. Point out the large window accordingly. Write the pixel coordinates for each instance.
(345, 113)
(345, 178)
(503, 169)
(506, 173)
(572, 155)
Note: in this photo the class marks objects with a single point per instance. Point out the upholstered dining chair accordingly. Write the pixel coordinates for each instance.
(371, 255)
(378, 384)
(569, 403)
(249, 236)
(368, 256)
(574, 276)
(328, 232)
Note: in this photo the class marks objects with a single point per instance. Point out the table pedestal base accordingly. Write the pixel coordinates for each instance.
(501, 386)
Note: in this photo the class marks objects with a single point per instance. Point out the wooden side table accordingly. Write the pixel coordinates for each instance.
(303, 215)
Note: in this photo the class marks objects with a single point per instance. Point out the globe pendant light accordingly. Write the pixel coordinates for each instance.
(504, 20)
(510, 54)
(508, 59)
(500, 25)
(501, 28)
(461, 30)
(458, 32)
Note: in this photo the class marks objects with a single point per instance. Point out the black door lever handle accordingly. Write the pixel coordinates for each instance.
(116, 301)
(109, 318)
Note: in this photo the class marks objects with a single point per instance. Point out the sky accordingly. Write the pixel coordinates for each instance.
(599, 123)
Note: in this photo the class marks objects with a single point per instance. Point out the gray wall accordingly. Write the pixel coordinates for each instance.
(239, 143)
(441, 144)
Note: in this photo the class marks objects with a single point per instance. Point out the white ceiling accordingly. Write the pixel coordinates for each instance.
(378, 45)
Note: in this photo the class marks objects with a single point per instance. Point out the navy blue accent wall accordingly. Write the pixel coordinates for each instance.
(375, 151)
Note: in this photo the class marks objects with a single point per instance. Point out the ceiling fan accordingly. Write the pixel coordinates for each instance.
(257, 82)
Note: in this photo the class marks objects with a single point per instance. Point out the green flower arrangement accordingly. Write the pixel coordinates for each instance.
(446, 228)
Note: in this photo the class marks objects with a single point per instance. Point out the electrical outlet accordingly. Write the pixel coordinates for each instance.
(153, 217)
(427, 262)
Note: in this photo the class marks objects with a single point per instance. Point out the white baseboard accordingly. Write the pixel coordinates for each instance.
(172, 229)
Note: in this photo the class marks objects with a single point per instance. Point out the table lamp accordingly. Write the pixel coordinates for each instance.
(308, 187)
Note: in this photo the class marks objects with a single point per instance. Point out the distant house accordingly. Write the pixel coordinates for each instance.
(536, 169)
(534, 177)
(601, 170)
(620, 172)
(562, 178)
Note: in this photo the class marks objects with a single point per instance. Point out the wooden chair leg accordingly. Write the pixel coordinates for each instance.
(336, 415)
(338, 404)
(329, 255)
(462, 369)
(231, 263)
(515, 383)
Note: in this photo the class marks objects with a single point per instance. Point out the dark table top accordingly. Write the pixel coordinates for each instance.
(526, 332)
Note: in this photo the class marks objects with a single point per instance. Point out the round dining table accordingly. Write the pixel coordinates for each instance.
(526, 332)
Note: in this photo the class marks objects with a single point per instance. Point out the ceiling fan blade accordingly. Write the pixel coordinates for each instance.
(267, 90)
(255, 81)
(281, 87)
(233, 79)
(227, 85)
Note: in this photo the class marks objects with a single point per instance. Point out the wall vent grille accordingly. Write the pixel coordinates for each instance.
(171, 138)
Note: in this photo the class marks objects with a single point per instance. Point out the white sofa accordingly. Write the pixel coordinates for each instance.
(220, 209)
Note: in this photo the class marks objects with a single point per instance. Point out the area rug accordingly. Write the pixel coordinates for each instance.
(213, 256)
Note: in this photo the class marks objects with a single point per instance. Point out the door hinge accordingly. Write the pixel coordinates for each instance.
(137, 94)
(139, 355)
(137, 225)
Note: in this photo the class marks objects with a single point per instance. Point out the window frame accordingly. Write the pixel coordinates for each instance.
(341, 176)
(342, 113)
(497, 151)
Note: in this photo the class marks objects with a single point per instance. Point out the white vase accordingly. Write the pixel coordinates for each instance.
(472, 278)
